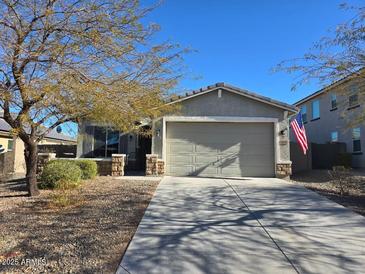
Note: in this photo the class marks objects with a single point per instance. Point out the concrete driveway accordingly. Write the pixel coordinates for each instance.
(251, 225)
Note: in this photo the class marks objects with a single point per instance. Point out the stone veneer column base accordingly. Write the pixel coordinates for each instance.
(154, 166)
(283, 170)
(160, 167)
(118, 163)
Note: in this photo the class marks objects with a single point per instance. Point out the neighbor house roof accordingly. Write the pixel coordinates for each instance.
(236, 90)
(332, 85)
(53, 134)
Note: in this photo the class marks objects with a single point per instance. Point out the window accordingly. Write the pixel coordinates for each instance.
(334, 136)
(356, 142)
(315, 109)
(333, 101)
(303, 110)
(112, 142)
(10, 145)
(99, 142)
(106, 142)
(353, 100)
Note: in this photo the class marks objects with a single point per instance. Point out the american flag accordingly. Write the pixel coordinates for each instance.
(299, 131)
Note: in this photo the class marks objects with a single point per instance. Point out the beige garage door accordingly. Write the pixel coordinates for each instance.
(220, 149)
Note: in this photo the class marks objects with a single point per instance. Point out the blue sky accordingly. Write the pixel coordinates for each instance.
(239, 41)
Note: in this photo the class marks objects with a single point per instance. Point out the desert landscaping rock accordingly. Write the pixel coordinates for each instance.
(89, 237)
(320, 181)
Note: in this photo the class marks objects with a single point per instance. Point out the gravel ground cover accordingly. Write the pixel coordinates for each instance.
(320, 182)
(89, 236)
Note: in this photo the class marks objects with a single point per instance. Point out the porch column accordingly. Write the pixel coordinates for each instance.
(118, 163)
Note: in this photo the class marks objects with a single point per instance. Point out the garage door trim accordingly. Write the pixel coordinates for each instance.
(215, 119)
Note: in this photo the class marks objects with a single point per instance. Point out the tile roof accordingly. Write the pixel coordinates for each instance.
(53, 134)
(330, 86)
(241, 91)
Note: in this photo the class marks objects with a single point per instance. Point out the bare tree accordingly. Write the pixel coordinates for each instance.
(66, 60)
(334, 57)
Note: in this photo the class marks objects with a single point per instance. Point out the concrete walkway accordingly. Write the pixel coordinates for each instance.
(201, 225)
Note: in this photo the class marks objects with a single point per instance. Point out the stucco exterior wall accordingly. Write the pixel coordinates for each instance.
(4, 142)
(18, 151)
(283, 139)
(229, 104)
(19, 160)
(233, 105)
(157, 129)
(319, 131)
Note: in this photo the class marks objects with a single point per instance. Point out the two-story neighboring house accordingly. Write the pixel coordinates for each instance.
(335, 114)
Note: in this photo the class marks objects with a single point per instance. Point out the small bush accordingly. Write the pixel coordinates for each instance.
(63, 196)
(341, 179)
(60, 172)
(61, 199)
(66, 185)
(88, 168)
(344, 159)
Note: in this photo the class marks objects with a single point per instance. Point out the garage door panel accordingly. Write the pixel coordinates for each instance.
(256, 140)
(257, 171)
(230, 159)
(247, 141)
(179, 147)
(220, 149)
(206, 159)
(256, 149)
(232, 172)
(182, 159)
(246, 171)
(246, 159)
(205, 170)
(253, 138)
(180, 141)
(256, 166)
(242, 166)
(206, 149)
(250, 163)
(216, 144)
(186, 130)
(233, 149)
(180, 170)
(232, 155)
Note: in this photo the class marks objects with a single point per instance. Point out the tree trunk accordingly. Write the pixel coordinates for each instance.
(31, 157)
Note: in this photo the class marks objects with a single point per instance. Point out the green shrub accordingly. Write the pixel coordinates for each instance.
(60, 171)
(344, 159)
(88, 168)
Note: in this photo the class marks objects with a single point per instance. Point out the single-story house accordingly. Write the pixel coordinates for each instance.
(218, 131)
(14, 147)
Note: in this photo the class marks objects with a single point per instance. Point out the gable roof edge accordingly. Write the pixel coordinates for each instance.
(330, 86)
(239, 91)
